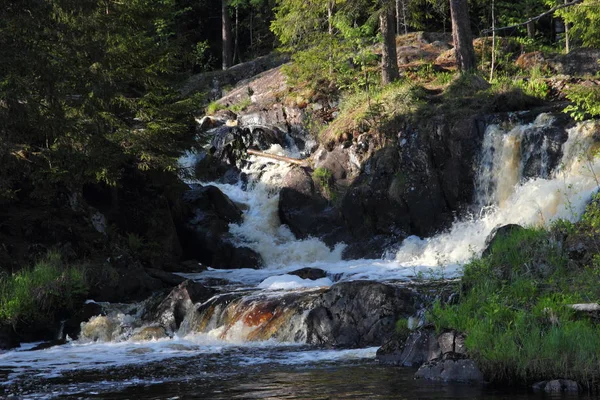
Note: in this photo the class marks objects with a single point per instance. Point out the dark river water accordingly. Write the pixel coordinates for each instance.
(263, 372)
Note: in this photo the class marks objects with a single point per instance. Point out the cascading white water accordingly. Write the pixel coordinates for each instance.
(537, 201)
(502, 197)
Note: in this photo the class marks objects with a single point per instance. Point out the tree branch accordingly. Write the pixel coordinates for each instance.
(551, 11)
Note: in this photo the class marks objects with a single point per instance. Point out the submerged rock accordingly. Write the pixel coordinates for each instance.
(420, 346)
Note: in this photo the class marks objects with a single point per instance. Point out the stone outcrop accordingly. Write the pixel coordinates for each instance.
(346, 315)
(172, 310)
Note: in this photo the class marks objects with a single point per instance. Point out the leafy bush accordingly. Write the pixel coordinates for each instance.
(38, 293)
(586, 102)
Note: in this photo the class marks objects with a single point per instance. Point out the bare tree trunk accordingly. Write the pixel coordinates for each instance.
(226, 35)
(389, 58)
(493, 42)
(330, 6)
(461, 33)
(398, 17)
(236, 54)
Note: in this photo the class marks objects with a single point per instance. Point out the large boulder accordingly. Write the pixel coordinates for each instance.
(346, 315)
(358, 314)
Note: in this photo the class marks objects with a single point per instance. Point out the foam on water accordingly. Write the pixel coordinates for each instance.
(503, 195)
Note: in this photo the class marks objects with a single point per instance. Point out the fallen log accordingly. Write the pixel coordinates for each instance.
(276, 157)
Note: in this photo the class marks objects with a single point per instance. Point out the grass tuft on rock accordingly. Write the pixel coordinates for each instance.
(39, 293)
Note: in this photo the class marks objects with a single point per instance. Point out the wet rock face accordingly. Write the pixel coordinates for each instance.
(346, 315)
(205, 236)
(8, 338)
(358, 314)
(307, 213)
(172, 310)
(412, 188)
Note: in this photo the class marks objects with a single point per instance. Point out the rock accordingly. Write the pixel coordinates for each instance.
(228, 256)
(306, 211)
(171, 311)
(72, 326)
(309, 273)
(205, 236)
(167, 278)
(449, 369)
(420, 346)
(98, 329)
(581, 61)
(210, 199)
(358, 314)
(149, 333)
(131, 282)
(498, 233)
(557, 386)
(8, 338)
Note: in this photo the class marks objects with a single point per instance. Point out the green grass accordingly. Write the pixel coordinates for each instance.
(213, 107)
(37, 293)
(514, 307)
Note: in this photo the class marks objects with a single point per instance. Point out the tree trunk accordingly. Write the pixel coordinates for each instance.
(531, 30)
(461, 34)
(567, 44)
(226, 35)
(236, 54)
(389, 58)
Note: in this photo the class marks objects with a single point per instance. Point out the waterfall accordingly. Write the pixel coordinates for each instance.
(505, 196)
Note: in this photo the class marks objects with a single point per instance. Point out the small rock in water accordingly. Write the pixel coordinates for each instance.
(309, 273)
(149, 333)
(447, 369)
(141, 350)
(557, 386)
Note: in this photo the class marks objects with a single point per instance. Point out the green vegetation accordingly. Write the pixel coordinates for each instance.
(37, 294)
(324, 179)
(515, 305)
